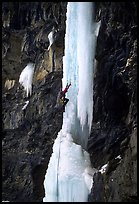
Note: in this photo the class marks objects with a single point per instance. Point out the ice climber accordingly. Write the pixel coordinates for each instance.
(61, 99)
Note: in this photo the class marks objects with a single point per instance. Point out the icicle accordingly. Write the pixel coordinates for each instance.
(51, 38)
(26, 77)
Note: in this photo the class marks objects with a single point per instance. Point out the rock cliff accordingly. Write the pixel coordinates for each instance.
(113, 140)
(28, 134)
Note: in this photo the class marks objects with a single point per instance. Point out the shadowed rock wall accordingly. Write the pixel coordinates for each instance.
(114, 128)
(29, 134)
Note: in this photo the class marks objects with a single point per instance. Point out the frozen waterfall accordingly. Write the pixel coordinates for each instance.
(69, 174)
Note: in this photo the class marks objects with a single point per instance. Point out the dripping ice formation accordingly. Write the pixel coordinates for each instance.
(69, 176)
(51, 38)
(26, 77)
(80, 42)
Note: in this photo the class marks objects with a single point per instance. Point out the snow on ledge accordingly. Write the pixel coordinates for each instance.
(103, 168)
(26, 103)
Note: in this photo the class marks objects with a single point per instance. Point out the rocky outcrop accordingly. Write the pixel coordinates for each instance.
(25, 30)
(28, 137)
(113, 140)
(30, 124)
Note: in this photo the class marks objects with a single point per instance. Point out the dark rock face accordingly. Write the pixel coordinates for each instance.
(28, 138)
(115, 105)
(28, 135)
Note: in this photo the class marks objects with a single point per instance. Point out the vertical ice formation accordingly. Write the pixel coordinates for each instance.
(69, 176)
(87, 31)
(78, 68)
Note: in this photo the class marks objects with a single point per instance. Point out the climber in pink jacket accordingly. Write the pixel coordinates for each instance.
(61, 99)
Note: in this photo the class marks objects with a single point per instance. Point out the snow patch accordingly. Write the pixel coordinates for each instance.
(118, 157)
(103, 168)
(26, 103)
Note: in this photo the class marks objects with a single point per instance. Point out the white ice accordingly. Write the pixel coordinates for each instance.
(67, 174)
(51, 38)
(26, 77)
(103, 169)
(25, 106)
